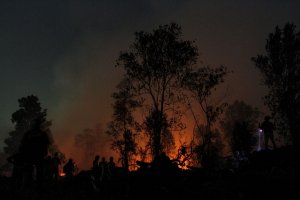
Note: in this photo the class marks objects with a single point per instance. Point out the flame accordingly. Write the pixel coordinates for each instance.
(62, 174)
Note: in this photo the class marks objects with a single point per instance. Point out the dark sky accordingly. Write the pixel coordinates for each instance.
(64, 51)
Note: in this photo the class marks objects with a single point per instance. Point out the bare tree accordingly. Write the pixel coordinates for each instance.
(201, 83)
(87, 144)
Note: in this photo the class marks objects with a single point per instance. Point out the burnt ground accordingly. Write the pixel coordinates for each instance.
(267, 175)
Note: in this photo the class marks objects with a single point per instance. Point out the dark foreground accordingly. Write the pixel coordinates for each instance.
(267, 175)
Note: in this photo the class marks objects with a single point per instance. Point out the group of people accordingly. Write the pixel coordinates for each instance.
(32, 162)
(102, 171)
(52, 166)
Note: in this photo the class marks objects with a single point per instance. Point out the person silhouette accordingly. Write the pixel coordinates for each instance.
(111, 167)
(69, 168)
(104, 170)
(96, 163)
(96, 171)
(55, 162)
(48, 169)
(34, 146)
(17, 160)
(268, 127)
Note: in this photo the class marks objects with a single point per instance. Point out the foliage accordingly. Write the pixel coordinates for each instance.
(123, 127)
(281, 74)
(29, 110)
(166, 138)
(201, 83)
(240, 124)
(155, 65)
(208, 154)
(87, 143)
(243, 138)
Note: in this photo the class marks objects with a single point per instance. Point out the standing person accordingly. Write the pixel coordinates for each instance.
(111, 165)
(18, 170)
(268, 127)
(96, 171)
(55, 166)
(111, 175)
(96, 163)
(48, 168)
(104, 170)
(69, 168)
(34, 146)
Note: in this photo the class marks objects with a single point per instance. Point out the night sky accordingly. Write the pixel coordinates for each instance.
(64, 51)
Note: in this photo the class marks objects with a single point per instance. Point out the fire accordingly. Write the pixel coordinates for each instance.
(62, 174)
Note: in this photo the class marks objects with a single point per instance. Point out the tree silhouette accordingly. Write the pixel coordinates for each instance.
(155, 65)
(206, 155)
(122, 128)
(280, 68)
(242, 139)
(29, 110)
(240, 124)
(165, 138)
(87, 143)
(201, 83)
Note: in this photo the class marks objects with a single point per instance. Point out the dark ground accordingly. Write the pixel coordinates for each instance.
(267, 175)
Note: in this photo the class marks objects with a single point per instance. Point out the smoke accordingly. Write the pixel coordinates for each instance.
(85, 78)
(84, 74)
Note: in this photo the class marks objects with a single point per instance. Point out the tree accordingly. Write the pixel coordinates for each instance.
(280, 68)
(154, 121)
(200, 84)
(4, 166)
(240, 124)
(155, 65)
(29, 110)
(87, 143)
(123, 127)
(208, 155)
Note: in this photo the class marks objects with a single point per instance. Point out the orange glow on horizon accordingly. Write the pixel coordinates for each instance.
(67, 148)
(66, 141)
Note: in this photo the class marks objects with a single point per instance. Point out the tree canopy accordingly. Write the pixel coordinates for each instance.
(155, 65)
(123, 126)
(240, 125)
(280, 69)
(161, 72)
(29, 110)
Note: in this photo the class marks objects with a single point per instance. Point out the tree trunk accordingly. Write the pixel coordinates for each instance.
(157, 134)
